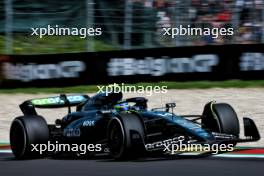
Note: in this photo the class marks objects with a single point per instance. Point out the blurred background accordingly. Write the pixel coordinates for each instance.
(126, 24)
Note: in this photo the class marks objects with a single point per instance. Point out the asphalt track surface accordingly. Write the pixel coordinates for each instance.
(184, 166)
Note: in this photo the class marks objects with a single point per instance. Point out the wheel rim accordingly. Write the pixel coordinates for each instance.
(18, 138)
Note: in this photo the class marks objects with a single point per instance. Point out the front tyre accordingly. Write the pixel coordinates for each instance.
(126, 136)
(220, 117)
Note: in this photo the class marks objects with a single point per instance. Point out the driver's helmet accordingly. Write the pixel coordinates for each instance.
(122, 106)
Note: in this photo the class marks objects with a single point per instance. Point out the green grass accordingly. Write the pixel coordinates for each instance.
(26, 44)
(170, 85)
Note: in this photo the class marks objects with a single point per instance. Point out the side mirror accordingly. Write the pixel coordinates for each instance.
(170, 105)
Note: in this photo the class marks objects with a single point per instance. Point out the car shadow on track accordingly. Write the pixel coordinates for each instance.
(106, 158)
(150, 158)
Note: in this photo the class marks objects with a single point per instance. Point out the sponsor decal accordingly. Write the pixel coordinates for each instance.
(57, 100)
(161, 144)
(161, 66)
(252, 62)
(34, 71)
(70, 132)
(88, 123)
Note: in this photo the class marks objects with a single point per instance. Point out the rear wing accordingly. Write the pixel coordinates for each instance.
(28, 107)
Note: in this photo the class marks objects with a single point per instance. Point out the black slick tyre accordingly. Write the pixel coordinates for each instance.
(25, 131)
(126, 136)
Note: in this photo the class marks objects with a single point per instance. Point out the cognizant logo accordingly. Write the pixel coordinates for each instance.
(57, 100)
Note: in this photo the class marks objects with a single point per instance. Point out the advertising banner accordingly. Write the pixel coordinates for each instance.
(159, 64)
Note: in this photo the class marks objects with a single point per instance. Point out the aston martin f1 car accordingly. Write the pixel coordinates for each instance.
(125, 128)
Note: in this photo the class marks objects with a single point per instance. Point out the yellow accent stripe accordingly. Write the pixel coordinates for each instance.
(215, 116)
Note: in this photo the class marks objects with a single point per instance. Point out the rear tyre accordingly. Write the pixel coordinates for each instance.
(220, 117)
(25, 131)
(126, 137)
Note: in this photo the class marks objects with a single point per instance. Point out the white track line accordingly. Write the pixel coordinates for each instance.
(239, 156)
(5, 151)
